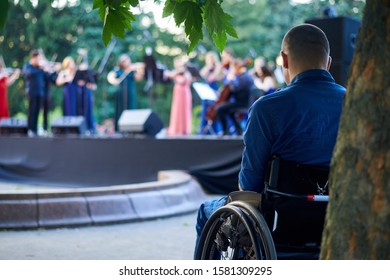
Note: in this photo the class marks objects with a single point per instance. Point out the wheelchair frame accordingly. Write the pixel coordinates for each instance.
(239, 229)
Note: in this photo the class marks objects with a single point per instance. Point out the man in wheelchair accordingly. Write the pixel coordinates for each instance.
(289, 140)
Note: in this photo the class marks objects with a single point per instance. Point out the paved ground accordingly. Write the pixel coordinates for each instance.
(163, 239)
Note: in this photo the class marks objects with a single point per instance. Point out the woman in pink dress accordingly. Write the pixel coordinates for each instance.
(181, 109)
(6, 79)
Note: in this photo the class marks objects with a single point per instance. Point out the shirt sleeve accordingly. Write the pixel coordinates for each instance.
(257, 149)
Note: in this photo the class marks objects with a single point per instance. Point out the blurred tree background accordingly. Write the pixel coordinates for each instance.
(62, 27)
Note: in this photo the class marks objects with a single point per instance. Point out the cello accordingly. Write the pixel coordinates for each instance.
(224, 94)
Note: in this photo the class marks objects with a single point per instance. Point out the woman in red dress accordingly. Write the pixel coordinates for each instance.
(7, 78)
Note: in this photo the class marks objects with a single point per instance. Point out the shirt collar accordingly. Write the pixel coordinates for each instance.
(314, 74)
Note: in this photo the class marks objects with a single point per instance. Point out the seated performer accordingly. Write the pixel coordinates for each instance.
(239, 84)
(298, 123)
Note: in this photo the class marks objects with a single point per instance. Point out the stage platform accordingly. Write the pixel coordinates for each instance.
(88, 161)
(72, 181)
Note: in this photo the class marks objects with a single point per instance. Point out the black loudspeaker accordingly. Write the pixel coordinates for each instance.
(342, 34)
(69, 125)
(10, 126)
(143, 121)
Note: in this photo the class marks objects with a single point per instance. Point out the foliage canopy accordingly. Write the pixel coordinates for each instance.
(194, 14)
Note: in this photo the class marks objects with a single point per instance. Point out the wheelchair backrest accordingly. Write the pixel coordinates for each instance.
(295, 178)
(295, 221)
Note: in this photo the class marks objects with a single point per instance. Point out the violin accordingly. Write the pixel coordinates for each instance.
(224, 95)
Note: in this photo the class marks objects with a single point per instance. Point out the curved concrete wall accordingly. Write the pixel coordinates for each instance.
(175, 192)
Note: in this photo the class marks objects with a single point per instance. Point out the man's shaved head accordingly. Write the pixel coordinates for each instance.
(307, 46)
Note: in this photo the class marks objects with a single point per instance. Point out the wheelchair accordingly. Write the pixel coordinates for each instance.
(285, 221)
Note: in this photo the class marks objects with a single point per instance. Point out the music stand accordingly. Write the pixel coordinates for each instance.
(208, 97)
(204, 91)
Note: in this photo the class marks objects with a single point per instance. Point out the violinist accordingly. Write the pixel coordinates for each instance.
(181, 108)
(7, 78)
(38, 74)
(227, 57)
(236, 91)
(125, 76)
(211, 71)
(51, 69)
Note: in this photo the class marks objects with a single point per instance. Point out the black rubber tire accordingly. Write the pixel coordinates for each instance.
(236, 231)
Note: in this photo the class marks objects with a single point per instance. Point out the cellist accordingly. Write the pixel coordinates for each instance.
(209, 118)
(236, 91)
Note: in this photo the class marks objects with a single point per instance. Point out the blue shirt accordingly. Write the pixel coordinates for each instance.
(240, 88)
(35, 80)
(298, 123)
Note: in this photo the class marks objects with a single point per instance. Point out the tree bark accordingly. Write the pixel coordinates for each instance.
(358, 216)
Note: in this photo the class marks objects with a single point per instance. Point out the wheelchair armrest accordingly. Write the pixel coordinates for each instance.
(253, 198)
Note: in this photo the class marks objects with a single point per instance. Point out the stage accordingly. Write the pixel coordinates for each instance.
(89, 161)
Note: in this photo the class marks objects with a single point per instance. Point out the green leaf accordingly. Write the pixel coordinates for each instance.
(218, 23)
(195, 36)
(4, 6)
(220, 41)
(190, 14)
(102, 13)
(115, 20)
(98, 4)
(106, 35)
(168, 8)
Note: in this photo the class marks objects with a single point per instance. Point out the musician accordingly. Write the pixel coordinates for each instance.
(85, 79)
(7, 78)
(238, 84)
(227, 58)
(66, 79)
(38, 75)
(181, 109)
(263, 77)
(51, 69)
(125, 76)
(211, 71)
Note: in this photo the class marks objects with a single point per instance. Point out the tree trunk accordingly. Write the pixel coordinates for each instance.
(358, 217)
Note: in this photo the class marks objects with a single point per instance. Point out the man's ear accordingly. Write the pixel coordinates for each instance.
(285, 59)
(329, 63)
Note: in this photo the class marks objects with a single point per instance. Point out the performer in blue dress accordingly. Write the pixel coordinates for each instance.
(65, 79)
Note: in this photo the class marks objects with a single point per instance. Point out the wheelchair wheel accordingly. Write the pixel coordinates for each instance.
(236, 232)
